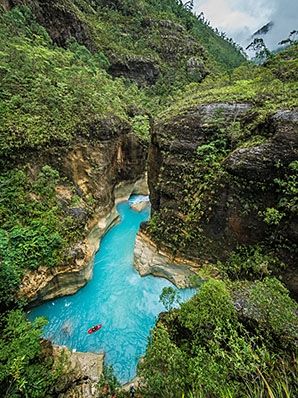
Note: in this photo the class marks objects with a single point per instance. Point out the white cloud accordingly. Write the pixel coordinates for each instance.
(241, 18)
(226, 15)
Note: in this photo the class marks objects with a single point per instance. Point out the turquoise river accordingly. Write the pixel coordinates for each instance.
(126, 304)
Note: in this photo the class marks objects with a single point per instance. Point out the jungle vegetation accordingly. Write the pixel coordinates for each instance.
(50, 95)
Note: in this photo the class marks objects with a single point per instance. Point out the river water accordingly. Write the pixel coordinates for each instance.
(126, 304)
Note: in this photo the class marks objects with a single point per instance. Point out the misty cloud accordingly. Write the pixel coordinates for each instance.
(241, 18)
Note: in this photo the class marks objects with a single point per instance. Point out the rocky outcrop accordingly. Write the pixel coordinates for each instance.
(123, 190)
(196, 69)
(206, 221)
(172, 163)
(140, 205)
(174, 44)
(80, 375)
(151, 260)
(142, 71)
(99, 170)
(260, 162)
(61, 21)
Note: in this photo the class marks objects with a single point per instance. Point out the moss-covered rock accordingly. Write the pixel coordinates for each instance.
(210, 193)
(61, 20)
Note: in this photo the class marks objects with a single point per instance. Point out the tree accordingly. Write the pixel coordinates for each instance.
(262, 53)
(24, 369)
(293, 38)
(164, 367)
(189, 5)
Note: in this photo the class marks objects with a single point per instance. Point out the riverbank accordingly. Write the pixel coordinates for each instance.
(47, 283)
(81, 372)
(151, 260)
(117, 297)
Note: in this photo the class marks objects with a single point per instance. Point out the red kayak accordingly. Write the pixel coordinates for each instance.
(94, 329)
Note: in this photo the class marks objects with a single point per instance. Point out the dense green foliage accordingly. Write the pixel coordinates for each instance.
(288, 188)
(119, 29)
(250, 262)
(25, 370)
(268, 87)
(34, 229)
(48, 94)
(204, 175)
(213, 348)
(51, 96)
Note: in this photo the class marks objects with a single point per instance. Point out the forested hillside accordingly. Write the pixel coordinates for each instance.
(87, 89)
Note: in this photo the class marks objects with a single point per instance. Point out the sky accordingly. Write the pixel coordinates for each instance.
(241, 18)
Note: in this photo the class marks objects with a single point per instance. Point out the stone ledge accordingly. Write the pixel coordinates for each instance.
(149, 260)
(81, 373)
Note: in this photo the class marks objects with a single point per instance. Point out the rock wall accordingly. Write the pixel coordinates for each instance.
(107, 167)
(81, 373)
(231, 211)
(48, 283)
(60, 20)
(151, 260)
(172, 159)
(142, 71)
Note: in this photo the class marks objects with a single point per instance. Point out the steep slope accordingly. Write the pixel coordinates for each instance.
(223, 170)
(143, 41)
(64, 146)
(74, 137)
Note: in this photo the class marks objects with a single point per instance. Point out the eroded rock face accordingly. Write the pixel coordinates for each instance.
(150, 260)
(81, 373)
(49, 283)
(232, 211)
(260, 162)
(143, 72)
(61, 22)
(106, 167)
(172, 153)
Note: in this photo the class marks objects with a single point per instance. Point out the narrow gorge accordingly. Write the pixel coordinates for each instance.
(105, 106)
(108, 167)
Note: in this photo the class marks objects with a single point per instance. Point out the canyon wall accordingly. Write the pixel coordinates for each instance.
(102, 169)
(213, 190)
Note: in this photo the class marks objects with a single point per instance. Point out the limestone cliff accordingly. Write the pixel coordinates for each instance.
(151, 260)
(207, 201)
(107, 167)
(79, 371)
